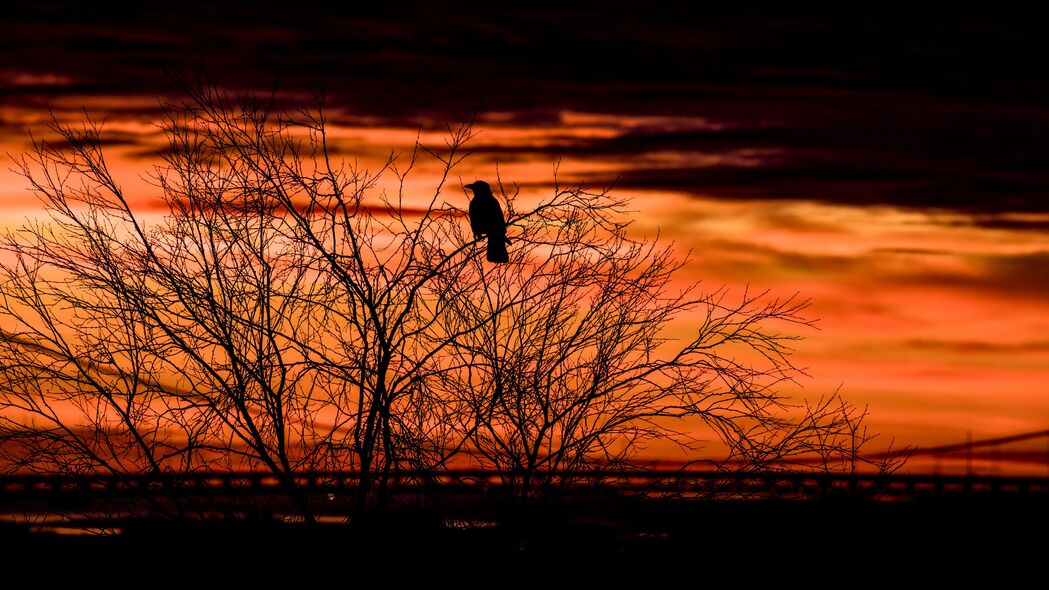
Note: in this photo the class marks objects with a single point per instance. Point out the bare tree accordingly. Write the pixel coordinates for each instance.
(563, 360)
(287, 315)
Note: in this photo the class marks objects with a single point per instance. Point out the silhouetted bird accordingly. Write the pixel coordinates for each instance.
(486, 219)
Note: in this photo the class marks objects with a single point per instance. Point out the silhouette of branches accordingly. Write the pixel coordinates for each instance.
(286, 313)
(563, 362)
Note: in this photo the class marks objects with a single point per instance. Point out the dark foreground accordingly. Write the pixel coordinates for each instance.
(696, 540)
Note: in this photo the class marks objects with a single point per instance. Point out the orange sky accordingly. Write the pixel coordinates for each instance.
(928, 317)
(890, 168)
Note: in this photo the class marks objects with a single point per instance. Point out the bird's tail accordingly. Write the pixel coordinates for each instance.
(497, 249)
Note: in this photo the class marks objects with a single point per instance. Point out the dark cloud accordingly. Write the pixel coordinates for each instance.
(1026, 272)
(915, 251)
(1024, 276)
(1012, 224)
(106, 141)
(925, 109)
(972, 346)
(956, 166)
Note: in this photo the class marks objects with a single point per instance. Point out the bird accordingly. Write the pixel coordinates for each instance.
(486, 219)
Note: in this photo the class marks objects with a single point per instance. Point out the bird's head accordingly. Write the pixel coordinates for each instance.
(479, 187)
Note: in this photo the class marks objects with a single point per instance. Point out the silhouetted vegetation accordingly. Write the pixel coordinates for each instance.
(287, 313)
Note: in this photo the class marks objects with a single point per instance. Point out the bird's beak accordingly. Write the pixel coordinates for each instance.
(469, 186)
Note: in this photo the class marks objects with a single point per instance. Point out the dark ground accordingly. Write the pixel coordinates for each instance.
(698, 541)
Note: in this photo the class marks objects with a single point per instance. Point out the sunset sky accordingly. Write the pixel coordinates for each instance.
(893, 167)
